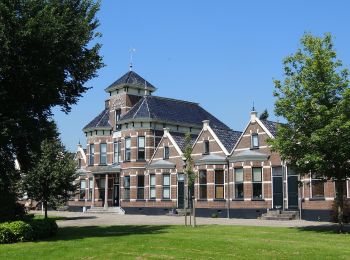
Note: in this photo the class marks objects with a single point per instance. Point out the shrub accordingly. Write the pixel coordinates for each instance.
(214, 215)
(16, 231)
(43, 228)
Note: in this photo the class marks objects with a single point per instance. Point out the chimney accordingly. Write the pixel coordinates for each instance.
(205, 124)
(166, 131)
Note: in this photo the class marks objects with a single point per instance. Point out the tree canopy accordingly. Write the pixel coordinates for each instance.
(314, 99)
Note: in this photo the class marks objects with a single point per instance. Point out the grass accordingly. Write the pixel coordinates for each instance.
(170, 242)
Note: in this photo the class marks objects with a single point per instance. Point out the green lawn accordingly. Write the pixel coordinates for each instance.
(164, 242)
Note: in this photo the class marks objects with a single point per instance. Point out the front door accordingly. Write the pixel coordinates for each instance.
(180, 191)
(292, 192)
(116, 191)
(277, 192)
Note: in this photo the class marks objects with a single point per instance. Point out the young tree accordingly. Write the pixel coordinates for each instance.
(264, 115)
(314, 98)
(47, 56)
(189, 173)
(51, 180)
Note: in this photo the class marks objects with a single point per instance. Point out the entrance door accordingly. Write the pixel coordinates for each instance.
(292, 192)
(180, 190)
(277, 192)
(116, 191)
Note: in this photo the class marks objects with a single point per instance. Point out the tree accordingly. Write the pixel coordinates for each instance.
(189, 173)
(48, 52)
(51, 180)
(264, 115)
(314, 98)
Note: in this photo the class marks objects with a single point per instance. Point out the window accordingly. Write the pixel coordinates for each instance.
(117, 154)
(206, 146)
(92, 154)
(239, 186)
(91, 187)
(79, 163)
(202, 184)
(141, 148)
(117, 118)
(103, 153)
(82, 189)
(152, 186)
(255, 141)
(219, 184)
(317, 187)
(127, 149)
(166, 152)
(166, 186)
(127, 187)
(341, 184)
(257, 183)
(140, 187)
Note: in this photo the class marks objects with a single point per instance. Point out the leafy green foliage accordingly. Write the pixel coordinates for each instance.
(314, 98)
(189, 160)
(51, 180)
(264, 115)
(48, 52)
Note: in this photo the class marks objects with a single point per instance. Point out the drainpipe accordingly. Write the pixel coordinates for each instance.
(228, 188)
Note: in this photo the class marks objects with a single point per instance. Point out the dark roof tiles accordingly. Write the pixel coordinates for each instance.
(180, 139)
(172, 110)
(130, 78)
(228, 138)
(271, 126)
(101, 121)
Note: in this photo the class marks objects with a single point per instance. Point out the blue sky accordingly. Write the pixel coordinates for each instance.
(221, 54)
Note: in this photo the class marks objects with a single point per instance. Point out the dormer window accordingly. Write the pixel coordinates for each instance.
(206, 147)
(166, 153)
(255, 141)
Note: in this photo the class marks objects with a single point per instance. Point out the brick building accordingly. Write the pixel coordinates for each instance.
(134, 161)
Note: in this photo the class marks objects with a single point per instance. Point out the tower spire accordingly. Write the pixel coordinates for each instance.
(131, 51)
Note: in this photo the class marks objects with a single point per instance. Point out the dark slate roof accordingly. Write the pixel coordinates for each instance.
(101, 121)
(228, 138)
(172, 110)
(271, 126)
(179, 138)
(130, 78)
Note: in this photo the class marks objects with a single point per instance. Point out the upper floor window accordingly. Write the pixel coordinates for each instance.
(117, 154)
(166, 152)
(141, 148)
(117, 117)
(202, 184)
(103, 153)
(79, 163)
(255, 141)
(92, 154)
(206, 147)
(128, 149)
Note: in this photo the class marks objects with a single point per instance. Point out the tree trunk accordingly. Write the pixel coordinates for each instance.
(340, 205)
(186, 200)
(45, 208)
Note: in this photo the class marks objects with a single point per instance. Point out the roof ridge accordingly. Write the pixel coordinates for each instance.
(149, 111)
(104, 113)
(178, 100)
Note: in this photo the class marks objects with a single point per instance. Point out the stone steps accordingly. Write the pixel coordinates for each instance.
(280, 215)
(109, 210)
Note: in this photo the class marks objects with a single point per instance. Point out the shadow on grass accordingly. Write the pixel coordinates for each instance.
(327, 228)
(74, 233)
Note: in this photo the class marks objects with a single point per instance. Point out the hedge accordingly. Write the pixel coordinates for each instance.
(34, 229)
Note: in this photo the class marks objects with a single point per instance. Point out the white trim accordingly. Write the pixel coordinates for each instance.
(218, 141)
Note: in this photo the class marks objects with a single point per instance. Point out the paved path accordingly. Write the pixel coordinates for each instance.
(88, 219)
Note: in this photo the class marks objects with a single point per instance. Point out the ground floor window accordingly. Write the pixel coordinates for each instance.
(82, 189)
(203, 184)
(317, 187)
(152, 186)
(219, 184)
(127, 187)
(91, 188)
(140, 187)
(257, 182)
(239, 186)
(166, 186)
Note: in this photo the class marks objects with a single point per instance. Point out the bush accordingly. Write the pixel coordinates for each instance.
(18, 231)
(44, 228)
